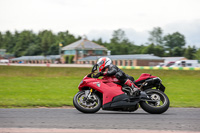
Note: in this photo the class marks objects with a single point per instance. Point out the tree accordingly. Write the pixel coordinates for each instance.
(33, 49)
(119, 43)
(190, 52)
(66, 38)
(1, 40)
(47, 39)
(152, 49)
(8, 42)
(118, 36)
(23, 41)
(174, 40)
(53, 49)
(99, 41)
(46, 43)
(177, 51)
(159, 51)
(148, 49)
(197, 55)
(156, 36)
(29, 43)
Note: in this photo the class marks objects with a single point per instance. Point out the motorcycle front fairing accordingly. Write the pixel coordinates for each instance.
(107, 88)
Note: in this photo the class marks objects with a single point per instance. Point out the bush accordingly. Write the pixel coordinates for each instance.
(66, 58)
(70, 59)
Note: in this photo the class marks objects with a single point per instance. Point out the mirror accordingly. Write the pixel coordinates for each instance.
(94, 68)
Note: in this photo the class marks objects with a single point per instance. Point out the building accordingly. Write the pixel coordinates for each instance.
(126, 60)
(78, 50)
(84, 48)
(37, 59)
(4, 55)
(88, 52)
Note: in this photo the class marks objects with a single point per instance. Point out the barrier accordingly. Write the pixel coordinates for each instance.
(48, 65)
(159, 68)
(121, 67)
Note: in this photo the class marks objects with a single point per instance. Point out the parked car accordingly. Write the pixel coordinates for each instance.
(4, 61)
(166, 64)
(186, 63)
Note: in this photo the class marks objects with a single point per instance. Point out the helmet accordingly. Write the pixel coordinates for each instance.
(103, 63)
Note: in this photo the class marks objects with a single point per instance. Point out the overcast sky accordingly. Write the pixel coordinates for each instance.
(98, 18)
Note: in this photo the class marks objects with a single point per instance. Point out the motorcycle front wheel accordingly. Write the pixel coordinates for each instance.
(160, 104)
(86, 104)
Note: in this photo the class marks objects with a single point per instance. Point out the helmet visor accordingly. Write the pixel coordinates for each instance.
(101, 63)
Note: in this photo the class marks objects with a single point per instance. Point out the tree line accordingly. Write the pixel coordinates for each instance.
(170, 45)
(28, 43)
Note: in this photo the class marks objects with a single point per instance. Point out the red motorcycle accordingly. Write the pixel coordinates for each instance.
(109, 94)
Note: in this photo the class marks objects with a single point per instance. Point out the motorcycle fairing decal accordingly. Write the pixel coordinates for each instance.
(97, 83)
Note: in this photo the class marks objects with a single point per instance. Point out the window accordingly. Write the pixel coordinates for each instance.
(170, 64)
(131, 62)
(81, 51)
(116, 62)
(120, 63)
(126, 63)
(189, 64)
(99, 52)
(70, 52)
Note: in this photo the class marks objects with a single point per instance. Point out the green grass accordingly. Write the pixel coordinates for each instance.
(55, 87)
(37, 91)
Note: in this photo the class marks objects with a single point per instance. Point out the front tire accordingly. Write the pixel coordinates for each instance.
(158, 107)
(85, 105)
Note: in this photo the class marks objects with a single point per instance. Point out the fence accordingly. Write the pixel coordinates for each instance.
(121, 67)
(159, 68)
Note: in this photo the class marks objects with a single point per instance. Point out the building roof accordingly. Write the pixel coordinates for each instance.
(171, 59)
(124, 57)
(48, 57)
(4, 50)
(84, 44)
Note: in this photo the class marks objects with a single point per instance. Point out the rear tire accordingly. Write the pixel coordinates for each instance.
(86, 106)
(155, 108)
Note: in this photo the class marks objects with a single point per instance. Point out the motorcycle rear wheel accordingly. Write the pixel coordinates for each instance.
(158, 107)
(85, 105)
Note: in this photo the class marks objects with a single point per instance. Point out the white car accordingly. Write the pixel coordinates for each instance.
(186, 63)
(4, 61)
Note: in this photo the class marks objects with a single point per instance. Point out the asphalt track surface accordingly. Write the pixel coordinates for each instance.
(27, 120)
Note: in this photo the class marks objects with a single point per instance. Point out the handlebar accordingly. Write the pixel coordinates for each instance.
(92, 76)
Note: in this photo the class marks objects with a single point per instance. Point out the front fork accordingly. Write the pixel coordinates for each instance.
(88, 93)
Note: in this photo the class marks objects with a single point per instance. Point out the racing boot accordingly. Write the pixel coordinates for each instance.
(135, 89)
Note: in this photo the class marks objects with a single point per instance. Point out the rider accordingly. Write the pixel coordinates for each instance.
(106, 68)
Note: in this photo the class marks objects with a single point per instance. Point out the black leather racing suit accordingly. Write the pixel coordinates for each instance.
(119, 74)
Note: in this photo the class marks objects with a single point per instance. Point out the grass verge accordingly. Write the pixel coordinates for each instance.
(55, 87)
